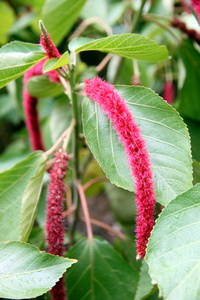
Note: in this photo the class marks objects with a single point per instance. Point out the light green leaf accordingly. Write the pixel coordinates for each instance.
(129, 45)
(173, 252)
(16, 58)
(55, 63)
(189, 92)
(41, 87)
(7, 17)
(12, 185)
(30, 201)
(164, 132)
(78, 42)
(101, 273)
(59, 17)
(26, 272)
(144, 285)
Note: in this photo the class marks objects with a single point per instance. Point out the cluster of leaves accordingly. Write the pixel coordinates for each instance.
(103, 270)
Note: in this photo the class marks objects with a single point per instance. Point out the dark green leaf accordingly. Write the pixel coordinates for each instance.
(16, 58)
(27, 272)
(41, 87)
(59, 16)
(190, 90)
(166, 138)
(173, 252)
(30, 201)
(101, 273)
(12, 185)
(196, 171)
(129, 45)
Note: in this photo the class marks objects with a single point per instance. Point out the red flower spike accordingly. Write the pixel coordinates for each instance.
(196, 7)
(55, 230)
(191, 33)
(30, 105)
(168, 92)
(47, 43)
(118, 112)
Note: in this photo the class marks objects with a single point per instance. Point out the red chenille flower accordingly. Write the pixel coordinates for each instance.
(168, 92)
(196, 6)
(30, 105)
(55, 230)
(118, 112)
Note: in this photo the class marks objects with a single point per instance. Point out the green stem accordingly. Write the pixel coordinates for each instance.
(134, 26)
(76, 173)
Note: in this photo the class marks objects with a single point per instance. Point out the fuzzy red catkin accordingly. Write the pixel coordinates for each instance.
(30, 105)
(118, 112)
(196, 6)
(55, 230)
(48, 45)
(168, 92)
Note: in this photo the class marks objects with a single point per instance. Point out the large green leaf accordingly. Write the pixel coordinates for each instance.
(30, 201)
(12, 185)
(63, 13)
(173, 252)
(166, 138)
(101, 273)
(41, 87)
(26, 272)
(190, 90)
(16, 58)
(129, 45)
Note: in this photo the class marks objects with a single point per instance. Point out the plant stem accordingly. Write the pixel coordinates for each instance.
(148, 18)
(85, 212)
(93, 181)
(76, 173)
(57, 143)
(105, 227)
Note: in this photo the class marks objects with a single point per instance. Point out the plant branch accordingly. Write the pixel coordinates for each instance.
(148, 18)
(86, 23)
(93, 181)
(104, 62)
(105, 226)
(57, 143)
(85, 211)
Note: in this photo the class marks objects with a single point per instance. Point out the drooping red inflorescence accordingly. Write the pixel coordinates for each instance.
(118, 112)
(196, 6)
(168, 92)
(54, 222)
(47, 43)
(30, 105)
(191, 33)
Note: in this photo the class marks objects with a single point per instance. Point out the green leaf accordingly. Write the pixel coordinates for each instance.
(16, 58)
(59, 17)
(129, 45)
(26, 272)
(55, 63)
(7, 17)
(12, 185)
(41, 87)
(101, 273)
(30, 201)
(164, 132)
(78, 42)
(190, 90)
(144, 285)
(173, 252)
